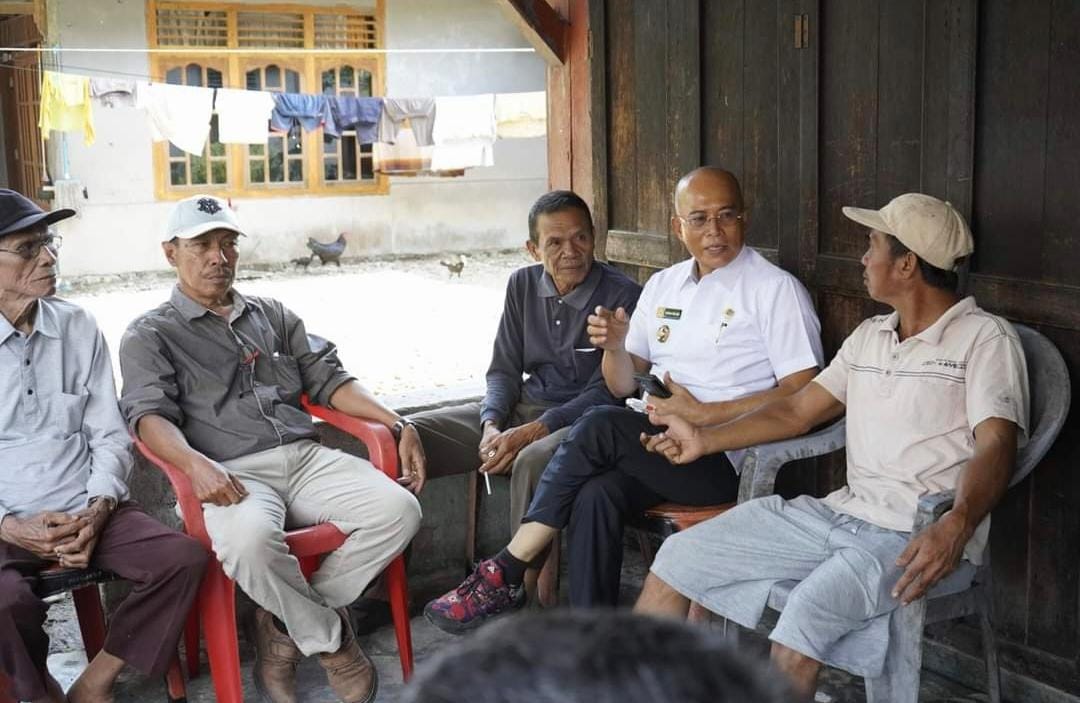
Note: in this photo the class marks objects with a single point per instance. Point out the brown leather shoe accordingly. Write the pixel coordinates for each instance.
(276, 657)
(349, 671)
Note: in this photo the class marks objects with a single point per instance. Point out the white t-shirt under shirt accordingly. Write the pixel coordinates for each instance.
(734, 332)
(913, 406)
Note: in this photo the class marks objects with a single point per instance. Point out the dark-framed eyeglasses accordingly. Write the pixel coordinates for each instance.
(31, 248)
(724, 218)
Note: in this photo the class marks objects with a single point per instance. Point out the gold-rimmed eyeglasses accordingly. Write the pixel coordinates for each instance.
(724, 218)
(30, 249)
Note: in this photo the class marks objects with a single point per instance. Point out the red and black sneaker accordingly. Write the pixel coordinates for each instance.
(481, 597)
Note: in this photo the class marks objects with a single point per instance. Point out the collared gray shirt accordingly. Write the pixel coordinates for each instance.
(232, 386)
(543, 335)
(62, 439)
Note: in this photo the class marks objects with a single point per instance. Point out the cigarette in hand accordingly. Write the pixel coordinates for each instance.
(487, 482)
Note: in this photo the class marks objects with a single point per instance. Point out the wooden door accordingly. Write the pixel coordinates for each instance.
(24, 136)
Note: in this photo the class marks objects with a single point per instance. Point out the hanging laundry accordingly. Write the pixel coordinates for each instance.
(464, 131)
(309, 111)
(178, 113)
(113, 91)
(243, 115)
(65, 105)
(453, 157)
(419, 111)
(361, 114)
(521, 115)
(403, 157)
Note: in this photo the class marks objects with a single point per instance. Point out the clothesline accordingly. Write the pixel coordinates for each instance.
(412, 134)
(275, 52)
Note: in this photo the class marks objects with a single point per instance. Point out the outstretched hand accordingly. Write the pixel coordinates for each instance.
(680, 443)
(681, 403)
(607, 329)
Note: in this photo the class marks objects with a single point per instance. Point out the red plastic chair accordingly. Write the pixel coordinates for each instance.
(217, 603)
(83, 584)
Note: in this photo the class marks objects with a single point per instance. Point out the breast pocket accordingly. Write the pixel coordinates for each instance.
(938, 406)
(287, 375)
(66, 411)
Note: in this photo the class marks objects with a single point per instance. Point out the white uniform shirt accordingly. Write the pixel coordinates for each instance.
(734, 332)
(913, 406)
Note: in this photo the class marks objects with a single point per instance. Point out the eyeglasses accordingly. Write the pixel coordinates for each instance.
(724, 218)
(30, 249)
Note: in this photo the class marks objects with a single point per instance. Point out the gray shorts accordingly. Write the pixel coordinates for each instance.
(838, 612)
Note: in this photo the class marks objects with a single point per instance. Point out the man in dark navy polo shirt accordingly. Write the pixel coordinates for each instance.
(544, 373)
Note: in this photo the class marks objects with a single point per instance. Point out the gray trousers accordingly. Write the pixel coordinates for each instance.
(302, 484)
(451, 438)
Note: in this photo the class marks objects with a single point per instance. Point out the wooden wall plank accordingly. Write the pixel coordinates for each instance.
(1010, 163)
(621, 116)
(722, 84)
(1060, 236)
(900, 99)
(759, 177)
(651, 155)
(683, 78)
(849, 111)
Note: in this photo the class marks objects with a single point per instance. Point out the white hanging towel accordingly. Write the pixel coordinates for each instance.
(469, 154)
(521, 115)
(464, 132)
(243, 115)
(178, 113)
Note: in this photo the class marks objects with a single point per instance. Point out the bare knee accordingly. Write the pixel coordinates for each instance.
(799, 668)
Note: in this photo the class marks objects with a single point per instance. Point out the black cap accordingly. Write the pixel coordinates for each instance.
(18, 212)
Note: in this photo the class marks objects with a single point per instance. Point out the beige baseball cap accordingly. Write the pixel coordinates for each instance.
(931, 228)
(200, 214)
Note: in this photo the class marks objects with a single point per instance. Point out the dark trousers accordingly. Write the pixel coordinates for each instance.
(164, 567)
(601, 476)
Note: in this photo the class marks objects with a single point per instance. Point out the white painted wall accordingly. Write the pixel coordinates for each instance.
(119, 223)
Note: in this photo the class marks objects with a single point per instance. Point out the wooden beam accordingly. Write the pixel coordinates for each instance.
(17, 8)
(541, 25)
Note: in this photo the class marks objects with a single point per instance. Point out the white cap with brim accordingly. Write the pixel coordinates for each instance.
(931, 228)
(200, 214)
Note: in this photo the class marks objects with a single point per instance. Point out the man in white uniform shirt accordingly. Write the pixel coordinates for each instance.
(728, 331)
(936, 395)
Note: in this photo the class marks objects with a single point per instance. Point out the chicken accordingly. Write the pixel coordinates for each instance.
(331, 251)
(453, 267)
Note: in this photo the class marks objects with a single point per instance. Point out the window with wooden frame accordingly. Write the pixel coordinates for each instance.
(266, 44)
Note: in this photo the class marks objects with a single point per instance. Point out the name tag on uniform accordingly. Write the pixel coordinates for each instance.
(669, 313)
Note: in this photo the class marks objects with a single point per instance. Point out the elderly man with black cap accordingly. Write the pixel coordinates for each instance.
(212, 384)
(65, 460)
(936, 395)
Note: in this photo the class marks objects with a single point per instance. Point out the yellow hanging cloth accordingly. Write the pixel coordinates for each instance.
(65, 105)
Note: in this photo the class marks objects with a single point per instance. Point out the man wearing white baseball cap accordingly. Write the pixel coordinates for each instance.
(936, 396)
(212, 383)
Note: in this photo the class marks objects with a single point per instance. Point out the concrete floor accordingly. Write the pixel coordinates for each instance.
(835, 686)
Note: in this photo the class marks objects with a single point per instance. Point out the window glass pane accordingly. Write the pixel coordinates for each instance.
(292, 82)
(348, 157)
(175, 150)
(329, 145)
(363, 83)
(198, 170)
(218, 172)
(174, 76)
(276, 148)
(367, 166)
(213, 78)
(178, 173)
(273, 78)
(330, 169)
(348, 76)
(254, 80)
(193, 74)
(296, 170)
(296, 144)
(328, 84)
(257, 149)
(257, 172)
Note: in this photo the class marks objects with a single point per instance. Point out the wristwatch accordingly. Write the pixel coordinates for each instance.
(398, 427)
(110, 503)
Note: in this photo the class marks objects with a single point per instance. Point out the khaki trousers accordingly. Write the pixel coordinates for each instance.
(302, 484)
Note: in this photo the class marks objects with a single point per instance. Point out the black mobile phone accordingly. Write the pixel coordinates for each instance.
(652, 385)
